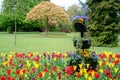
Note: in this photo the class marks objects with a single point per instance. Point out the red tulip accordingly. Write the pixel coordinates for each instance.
(102, 56)
(118, 76)
(54, 68)
(2, 77)
(45, 70)
(10, 78)
(33, 69)
(78, 75)
(10, 62)
(20, 61)
(8, 71)
(97, 75)
(17, 72)
(24, 70)
(36, 59)
(53, 55)
(69, 70)
(40, 74)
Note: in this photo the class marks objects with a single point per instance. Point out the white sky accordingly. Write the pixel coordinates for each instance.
(66, 3)
(62, 3)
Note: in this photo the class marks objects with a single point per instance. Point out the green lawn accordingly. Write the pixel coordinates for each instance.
(36, 42)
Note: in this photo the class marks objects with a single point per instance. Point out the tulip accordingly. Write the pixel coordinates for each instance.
(41, 74)
(100, 63)
(86, 75)
(88, 65)
(115, 70)
(8, 71)
(45, 70)
(17, 72)
(24, 70)
(55, 59)
(81, 71)
(89, 78)
(80, 66)
(118, 76)
(78, 75)
(69, 70)
(33, 69)
(28, 64)
(101, 70)
(74, 68)
(97, 75)
(54, 68)
(21, 72)
(2, 78)
(36, 65)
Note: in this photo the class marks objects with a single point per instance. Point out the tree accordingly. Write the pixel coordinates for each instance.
(16, 10)
(73, 11)
(48, 12)
(104, 21)
(84, 7)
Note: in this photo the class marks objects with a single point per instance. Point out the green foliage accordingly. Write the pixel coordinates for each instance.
(76, 59)
(73, 11)
(104, 18)
(14, 9)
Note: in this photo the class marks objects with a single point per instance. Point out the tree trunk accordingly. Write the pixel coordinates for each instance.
(46, 28)
(46, 31)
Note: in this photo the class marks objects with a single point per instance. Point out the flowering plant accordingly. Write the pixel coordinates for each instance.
(52, 66)
(88, 60)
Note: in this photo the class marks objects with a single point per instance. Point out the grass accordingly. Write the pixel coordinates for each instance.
(36, 42)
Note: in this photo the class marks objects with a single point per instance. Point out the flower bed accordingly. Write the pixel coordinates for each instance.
(53, 66)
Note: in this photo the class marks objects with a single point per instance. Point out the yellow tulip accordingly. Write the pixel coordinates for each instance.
(100, 63)
(48, 52)
(81, 71)
(21, 72)
(85, 70)
(101, 70)
(88, 65)
(80, 66)
(40, 56)
(5, 63)
(36, 65)
(74, 67)
(115, 70)
(28, 64)
(65, 55)
(55, 59)
(111, 65)
(113, 55)
(107, 63)
(43, 74)
(9, 56)
(93, 73)
(89, 78)
(86, 75)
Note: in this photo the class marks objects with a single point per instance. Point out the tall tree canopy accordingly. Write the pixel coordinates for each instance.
(73, 11)
(16, 9)
(104, 21)
(84, 7)
(49, 12)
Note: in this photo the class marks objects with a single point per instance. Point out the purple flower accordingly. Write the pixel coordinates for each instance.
(44, 54)
(49, 57)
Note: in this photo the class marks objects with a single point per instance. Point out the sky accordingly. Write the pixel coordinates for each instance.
(66, 3)
(62, 3)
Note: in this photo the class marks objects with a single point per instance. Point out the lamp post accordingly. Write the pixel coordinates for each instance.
(15, 25)
(15, 29)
